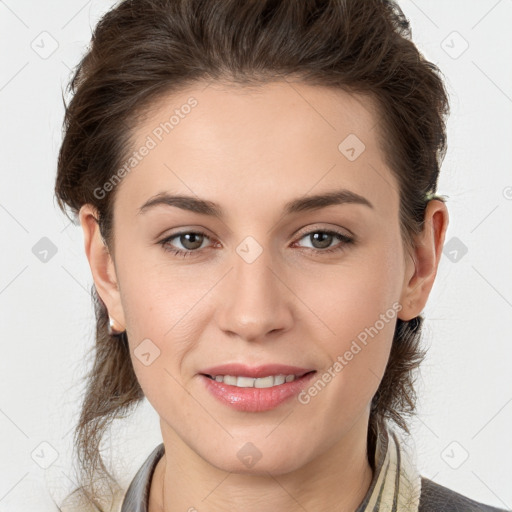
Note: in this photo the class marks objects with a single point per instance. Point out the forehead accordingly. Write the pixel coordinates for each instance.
(265, 144)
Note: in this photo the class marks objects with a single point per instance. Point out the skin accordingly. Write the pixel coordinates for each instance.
(251, 151)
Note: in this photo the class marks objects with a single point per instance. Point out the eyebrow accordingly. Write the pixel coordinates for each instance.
(301, 204)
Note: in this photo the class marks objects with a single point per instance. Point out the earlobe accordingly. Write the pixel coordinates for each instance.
(422, 265)
(102, 266)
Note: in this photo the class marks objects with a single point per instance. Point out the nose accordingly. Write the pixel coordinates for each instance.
(255, 299)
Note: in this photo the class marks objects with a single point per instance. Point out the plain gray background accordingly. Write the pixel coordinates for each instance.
(462, 431)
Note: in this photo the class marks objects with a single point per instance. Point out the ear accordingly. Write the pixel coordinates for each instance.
(102, 266)
(422, 263)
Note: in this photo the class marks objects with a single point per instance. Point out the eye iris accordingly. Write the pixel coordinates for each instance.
(195, 243)
(325, 239)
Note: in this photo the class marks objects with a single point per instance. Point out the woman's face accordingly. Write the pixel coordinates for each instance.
(276, 276)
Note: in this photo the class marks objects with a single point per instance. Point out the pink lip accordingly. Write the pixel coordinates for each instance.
(237, 369)
(255, 399)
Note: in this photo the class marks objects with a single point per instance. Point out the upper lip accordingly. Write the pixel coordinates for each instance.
(237, 369)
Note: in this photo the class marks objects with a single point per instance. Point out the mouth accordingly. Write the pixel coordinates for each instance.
(256, 394)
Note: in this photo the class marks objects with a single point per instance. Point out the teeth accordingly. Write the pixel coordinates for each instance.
(250, 382)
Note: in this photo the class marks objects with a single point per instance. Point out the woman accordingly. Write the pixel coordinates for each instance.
(256, 186)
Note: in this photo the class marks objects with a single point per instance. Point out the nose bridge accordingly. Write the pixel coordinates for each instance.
(255, 301)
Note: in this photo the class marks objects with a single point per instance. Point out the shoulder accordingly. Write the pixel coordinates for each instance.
(437, 498)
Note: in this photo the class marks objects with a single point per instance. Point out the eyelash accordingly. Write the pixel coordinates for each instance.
(346, 240)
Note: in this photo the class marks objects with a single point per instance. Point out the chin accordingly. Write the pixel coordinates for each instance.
(256, 459)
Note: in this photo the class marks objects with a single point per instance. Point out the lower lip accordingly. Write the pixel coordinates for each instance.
(255, 399)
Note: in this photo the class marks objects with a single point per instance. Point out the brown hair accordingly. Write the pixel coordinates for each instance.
(142, 50)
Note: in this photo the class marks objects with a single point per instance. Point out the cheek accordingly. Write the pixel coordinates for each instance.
(165, 313)
(161, 330)
(358, 305)
(353, 295)
(361, 333)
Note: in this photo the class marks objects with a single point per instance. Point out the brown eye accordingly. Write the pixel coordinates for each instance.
(321, 240)
(190, 241)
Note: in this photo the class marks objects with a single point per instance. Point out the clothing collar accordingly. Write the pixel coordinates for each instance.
(396, 483)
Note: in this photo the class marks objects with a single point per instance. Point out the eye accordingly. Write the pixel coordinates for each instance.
(322, 243)
(190, 240)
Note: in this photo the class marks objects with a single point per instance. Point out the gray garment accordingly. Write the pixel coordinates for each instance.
(434, 497)
(137, 495)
